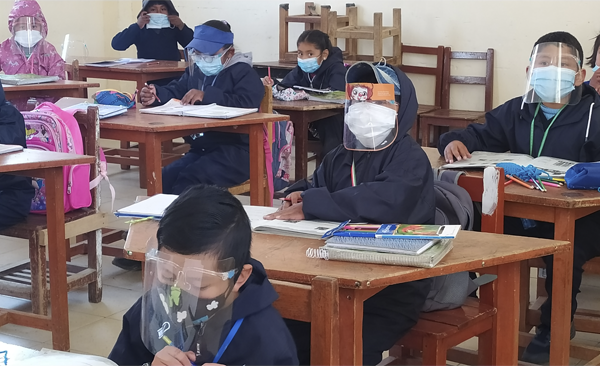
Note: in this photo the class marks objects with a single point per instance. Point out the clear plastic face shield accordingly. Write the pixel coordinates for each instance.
(186, 302)
(73, 49)
(554, 75)
(208, 64)
(371, 117)
(28, 31)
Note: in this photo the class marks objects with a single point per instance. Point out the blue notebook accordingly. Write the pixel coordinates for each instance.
(395, 245)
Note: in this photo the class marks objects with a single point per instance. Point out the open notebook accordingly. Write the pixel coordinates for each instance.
(104, 111)
(26, 79)
(5, 149)
(175, 108)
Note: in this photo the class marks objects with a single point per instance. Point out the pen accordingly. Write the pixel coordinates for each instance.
(155, 96)
(361, 227)
(269, 68)
(519, 181)
(289, 200)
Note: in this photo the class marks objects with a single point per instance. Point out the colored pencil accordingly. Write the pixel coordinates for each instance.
(559, 179)
(269, 68)
(541, 184)
(519, 181)
(537, 185)
(508, 182)
(552, 184)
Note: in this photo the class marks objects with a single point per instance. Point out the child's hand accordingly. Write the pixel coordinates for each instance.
(267, 81)
(293, 212)
(171, 356)
(148, 95)
(176, 21)
(192, 97)
(143, 19)
(456, 149)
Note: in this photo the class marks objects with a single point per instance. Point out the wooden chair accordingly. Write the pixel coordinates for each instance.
(72, 71)
(437, 332)
(436, 71)
(447, 117)
(28, 279)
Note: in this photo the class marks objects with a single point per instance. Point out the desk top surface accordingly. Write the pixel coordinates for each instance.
(56, 85)
(138, 68)
(135, 121)
(29, 159)
(285, 258)
(555, 197)
(305, 105)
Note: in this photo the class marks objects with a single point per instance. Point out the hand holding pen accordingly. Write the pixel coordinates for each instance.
(148, 95)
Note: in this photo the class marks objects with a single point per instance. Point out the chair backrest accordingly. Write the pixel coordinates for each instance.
(182, 55)
(89, 123)
(436, 71)
(487, 80)
(72, 70)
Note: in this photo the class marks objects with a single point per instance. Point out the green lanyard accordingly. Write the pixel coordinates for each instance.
(545, 133)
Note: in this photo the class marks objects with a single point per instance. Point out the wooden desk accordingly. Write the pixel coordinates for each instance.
(285, 260)
(151, 130)
(303, 112)
(59, 89)
(47, 165)
(141, 73)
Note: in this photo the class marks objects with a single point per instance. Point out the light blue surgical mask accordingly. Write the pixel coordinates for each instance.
(596, 68)
(158, 21)
(309, 65)
(210, 68)
(548, 81)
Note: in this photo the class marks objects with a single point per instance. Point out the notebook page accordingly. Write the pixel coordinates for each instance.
(151, 207)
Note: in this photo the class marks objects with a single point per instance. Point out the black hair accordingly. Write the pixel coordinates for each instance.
(592, 58)
(563, 37)
(319, 39)
(207, 219)
(220, 25)
(169, 4)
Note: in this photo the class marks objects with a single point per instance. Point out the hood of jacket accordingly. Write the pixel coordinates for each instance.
(27, 8)
(239, 57)
(256, 295)
(146, 4)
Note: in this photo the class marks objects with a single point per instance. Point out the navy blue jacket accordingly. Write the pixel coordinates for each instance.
(331, 74)
(237, 85)
(263, 338)
(15, 192)
(159, 44)
(507, 128)
(393, 185)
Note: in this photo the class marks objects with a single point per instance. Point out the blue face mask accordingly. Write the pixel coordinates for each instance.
(309, 65)
(210, 68)
(545, 82)
(596, 68)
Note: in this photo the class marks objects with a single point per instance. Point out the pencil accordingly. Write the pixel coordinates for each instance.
(269, 68)
(289, 200)
(508, 182)
(542, 184)
(519, 181)
(536, 184)
(155, 95)
(552, 184)
(558, 179)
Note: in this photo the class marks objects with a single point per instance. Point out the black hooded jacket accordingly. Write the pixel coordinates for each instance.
(394, 185)
(331, 74)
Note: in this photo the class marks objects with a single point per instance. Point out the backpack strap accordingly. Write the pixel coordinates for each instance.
(450, 176)
(103, 175)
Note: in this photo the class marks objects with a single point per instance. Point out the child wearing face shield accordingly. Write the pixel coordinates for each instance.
(156, 33)
(205, 299)
(27, 51)
(217, 74)
(559, 116)
(320, 66)
(379, 175)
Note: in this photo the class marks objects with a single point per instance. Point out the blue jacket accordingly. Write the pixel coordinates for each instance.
(393, 185)
(262, 339)
(331, 74)
(508, 128)
(159, 44)
(237, 85)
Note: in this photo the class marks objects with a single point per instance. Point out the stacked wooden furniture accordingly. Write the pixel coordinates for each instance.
(377, 33)
(324, 22)
(445, 117)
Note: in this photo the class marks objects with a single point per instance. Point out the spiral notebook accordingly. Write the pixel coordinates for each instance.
(397, 246)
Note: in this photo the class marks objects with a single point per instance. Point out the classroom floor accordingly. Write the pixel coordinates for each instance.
(95, 327)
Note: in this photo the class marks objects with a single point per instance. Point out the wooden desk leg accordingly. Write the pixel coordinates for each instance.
(142, 171)
(425, 133)
(57, 255)
(301, 133)
(153, 162)
(257, 167)
(324, 321)
(506, 333)
(351, 318)
(561, 308)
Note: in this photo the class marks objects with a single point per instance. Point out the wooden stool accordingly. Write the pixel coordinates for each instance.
(377, 33)
(312, 20)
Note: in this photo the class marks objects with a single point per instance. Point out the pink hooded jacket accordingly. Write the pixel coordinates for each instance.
(44, 59)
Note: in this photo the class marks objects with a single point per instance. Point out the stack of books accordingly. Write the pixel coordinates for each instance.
(399, 244)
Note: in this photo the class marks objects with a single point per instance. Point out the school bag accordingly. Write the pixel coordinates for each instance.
(50, 128)
(453, 206)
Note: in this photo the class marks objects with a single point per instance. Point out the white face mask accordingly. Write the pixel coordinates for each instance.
(370, 123)
(28, 38)
(158, 21)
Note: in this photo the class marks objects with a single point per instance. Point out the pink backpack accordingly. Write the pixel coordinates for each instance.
(52, 129)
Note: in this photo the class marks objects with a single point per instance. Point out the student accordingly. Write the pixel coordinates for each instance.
(156, 33)
(593, 62)
(203, 267)
(218, 75)
(15, 192)
(559, 116)
(320, 66)
(27, 51)
(380, 175)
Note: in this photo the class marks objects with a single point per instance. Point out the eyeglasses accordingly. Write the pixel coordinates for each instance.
(207, 58)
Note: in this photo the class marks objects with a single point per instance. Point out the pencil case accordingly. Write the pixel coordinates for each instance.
(583, 176)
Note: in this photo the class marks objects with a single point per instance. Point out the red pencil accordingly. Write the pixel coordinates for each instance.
(508, 182)
(269, 68)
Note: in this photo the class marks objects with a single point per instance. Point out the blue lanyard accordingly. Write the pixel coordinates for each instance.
(230, 336)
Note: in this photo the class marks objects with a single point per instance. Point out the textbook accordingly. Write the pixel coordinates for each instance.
(483, 159)
(396, 231)
(175, 108)
(313, 90)
(104, 111)
(338, 97)
(26, 79)
(121, 61)
(5, 149)
(396, 245)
